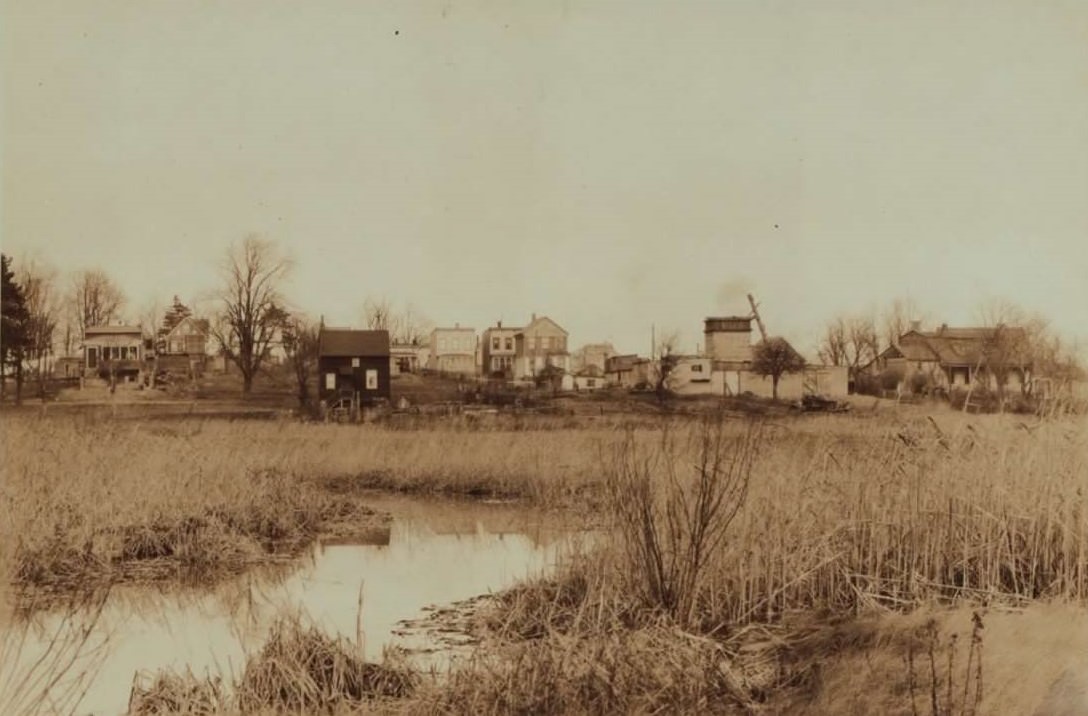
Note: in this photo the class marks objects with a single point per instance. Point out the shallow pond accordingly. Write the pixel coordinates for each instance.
(435, 552)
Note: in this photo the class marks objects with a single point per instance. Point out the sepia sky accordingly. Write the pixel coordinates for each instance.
(610, 164)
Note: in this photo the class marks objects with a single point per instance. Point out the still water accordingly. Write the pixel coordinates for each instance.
(433, 553)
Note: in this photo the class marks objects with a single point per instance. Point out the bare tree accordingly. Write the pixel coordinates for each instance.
(250, 310)
(849, 341)
(300, 343)
(405, 325)
(39, 283)
(775, 357)
(864, 344)
(413, 327)
(94, 299)
(1017, 342)
(896, 319)
(378, 314)
(667, 350)
(835, 343)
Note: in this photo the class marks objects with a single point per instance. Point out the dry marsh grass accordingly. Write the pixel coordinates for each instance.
(841, 515)
(299, 669)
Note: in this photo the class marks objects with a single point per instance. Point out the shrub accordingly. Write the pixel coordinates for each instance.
(920, 383)
(890, 378)
(867, 384)
(672, 518)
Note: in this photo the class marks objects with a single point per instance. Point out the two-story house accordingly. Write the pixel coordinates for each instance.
(539, 345)
(453, 350)
(499, 350)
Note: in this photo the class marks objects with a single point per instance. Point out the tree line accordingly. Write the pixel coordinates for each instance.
(1016, 338)
(45, 316)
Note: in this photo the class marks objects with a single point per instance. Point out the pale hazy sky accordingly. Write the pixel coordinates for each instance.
(611, 165)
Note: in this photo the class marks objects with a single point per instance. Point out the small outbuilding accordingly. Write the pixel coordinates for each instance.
(353, 364)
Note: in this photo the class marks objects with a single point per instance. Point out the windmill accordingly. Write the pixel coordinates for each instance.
(755, 315)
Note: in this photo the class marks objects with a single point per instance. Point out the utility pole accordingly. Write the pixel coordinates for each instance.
(755, 314)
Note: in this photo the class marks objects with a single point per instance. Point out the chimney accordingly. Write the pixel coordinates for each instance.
(456, 325)
(915, 325)
(534, 318)
(500, 325)
(944, 327)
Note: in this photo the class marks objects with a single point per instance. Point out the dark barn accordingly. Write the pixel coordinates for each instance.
(353, 362)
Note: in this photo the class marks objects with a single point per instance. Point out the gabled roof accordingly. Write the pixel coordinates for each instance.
(915, 346)
(347, 343)
(112, 330)
(955, 346)
(539, 322)
(201, 324)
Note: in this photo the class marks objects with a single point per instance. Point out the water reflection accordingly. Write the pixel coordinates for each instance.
(434, 552)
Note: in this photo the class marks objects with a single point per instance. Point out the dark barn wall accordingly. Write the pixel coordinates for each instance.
(354, 379)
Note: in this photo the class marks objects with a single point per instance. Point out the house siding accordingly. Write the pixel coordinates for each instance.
(341, 376)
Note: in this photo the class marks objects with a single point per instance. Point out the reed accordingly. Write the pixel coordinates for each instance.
(299, 669)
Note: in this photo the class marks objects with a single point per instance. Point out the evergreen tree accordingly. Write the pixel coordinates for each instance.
(177, 313)
(14, 328)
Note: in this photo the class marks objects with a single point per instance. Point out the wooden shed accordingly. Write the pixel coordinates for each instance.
(353, 364)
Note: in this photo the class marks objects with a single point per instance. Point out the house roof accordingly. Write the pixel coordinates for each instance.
(618, 363)
(201, 324)
(339, 342)
(954, 346)
(914, 346)
(463, 329)
(539, 321)
(112, 330)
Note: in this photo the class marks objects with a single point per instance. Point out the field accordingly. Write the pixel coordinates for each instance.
(860, 563)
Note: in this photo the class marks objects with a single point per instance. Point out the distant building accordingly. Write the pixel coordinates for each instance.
(728, 341)
(353, 364)
(188, 337)
(691, 375)
(405, 358)
(958, 357)
(114, 351)
(185, 347)
(539, 345)
(627, 371)
(453, 350)
(592, 355)
(499, 352)
(589, 378)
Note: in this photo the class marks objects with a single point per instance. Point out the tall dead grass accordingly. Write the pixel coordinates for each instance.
(299, 669)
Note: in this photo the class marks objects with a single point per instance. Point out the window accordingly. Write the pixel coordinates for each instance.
(697, 368)
(371, 379)
(330, 381)
(354, 362)
(509, 344)
(591, 383)
(92, 357)
(495, 343)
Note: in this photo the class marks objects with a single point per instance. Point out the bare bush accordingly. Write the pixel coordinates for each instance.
(673, 513)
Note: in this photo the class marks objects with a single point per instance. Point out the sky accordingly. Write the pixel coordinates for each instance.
(614, 166)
